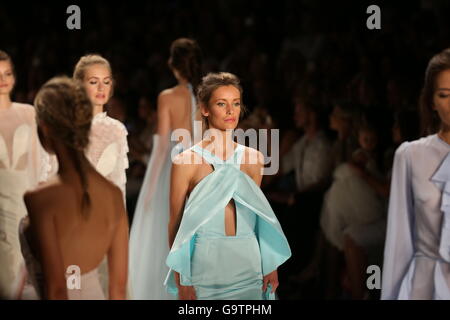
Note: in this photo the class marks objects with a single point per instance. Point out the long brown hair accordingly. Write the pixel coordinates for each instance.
(430, 121)
(63, 105)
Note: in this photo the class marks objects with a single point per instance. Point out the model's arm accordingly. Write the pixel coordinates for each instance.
(43, 231)
(399, 245)
(256, 174)
(118, 253)
(179, 184)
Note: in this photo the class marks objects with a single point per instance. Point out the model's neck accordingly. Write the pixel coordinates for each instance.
(221, 142)
(444, 133)
(182, 82)
(5, 101)
(97, 109)
(66, 161)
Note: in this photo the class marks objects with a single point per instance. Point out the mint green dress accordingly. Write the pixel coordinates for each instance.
(222, 267)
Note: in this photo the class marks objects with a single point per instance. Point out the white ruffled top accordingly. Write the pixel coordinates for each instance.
(108, 149)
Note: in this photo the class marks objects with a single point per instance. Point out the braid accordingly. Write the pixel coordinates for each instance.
(195, 71)
(80, 165)
(63, 105)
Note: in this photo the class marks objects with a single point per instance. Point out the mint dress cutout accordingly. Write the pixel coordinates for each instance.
(222, 267)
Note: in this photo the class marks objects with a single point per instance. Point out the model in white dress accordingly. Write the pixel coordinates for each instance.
(108, 149)
(108, 146)
(149, 236)
(23, 164)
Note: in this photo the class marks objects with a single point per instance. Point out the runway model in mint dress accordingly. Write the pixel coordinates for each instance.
(222, 267)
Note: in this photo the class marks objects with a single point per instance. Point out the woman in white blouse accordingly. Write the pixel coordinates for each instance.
(417, 249)
(23, 163)
(108, 141)
(108, 145)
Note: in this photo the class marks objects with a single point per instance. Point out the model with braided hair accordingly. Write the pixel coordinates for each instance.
(23, 163)
(108, 147)
(77, 217)
(177, 108)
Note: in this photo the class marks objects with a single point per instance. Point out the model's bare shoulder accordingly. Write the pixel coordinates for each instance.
(186, 159)
(252, 157)
(47, 198)
(166, 93)
(252, 163)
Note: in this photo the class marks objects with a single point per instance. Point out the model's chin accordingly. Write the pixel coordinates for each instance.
(230, 125)
(5, 90)
(100, 102)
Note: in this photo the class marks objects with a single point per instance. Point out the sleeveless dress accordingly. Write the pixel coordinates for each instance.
(23, 164)
(222, 267)
(107, 152)
(90, 286)
(148, 236)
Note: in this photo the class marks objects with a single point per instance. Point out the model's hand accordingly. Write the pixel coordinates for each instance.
(272, 279)
(186, 293)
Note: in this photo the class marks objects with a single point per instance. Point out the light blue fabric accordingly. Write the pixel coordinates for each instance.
(417, 249)
(442, 180)
(220, 266)
(148, 247)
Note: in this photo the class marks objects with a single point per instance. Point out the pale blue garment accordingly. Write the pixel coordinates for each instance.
(148, 236)
(219, 266)
(417, 249)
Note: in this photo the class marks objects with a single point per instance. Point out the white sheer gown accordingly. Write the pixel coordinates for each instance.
(23, 164)
(107, 152)
(149, 235)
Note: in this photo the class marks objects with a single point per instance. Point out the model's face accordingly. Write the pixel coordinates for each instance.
(367, 139)
(441, 97)
(98, 84)
(7, 79)
(224, 108)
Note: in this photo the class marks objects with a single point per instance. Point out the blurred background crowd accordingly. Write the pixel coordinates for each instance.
(342, 97)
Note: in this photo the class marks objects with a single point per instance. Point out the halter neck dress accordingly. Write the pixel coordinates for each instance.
(222, 267)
